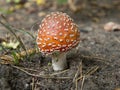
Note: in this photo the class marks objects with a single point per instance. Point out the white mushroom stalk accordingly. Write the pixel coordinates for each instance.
(59, 61)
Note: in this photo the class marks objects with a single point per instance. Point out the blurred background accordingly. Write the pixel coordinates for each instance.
(83, 10)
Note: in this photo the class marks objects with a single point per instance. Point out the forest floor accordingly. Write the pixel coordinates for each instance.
(95, 66)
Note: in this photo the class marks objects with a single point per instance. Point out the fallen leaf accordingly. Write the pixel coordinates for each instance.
(40, 14)
(28, 5)
(40, 2)
(73, 6)
(11, 44)
(111, 26)
(6, 59)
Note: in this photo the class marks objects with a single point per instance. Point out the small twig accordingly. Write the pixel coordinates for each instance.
(76, 85)
(83, 79)
(59, 72)
(29, 69)
(35, 88)
(79, 71)
(79, 78)
(40, 76)
(76, 75)
(92, 70)
(33, 83)
(76, 82)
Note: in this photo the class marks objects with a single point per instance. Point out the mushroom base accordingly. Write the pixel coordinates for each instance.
(59, 62)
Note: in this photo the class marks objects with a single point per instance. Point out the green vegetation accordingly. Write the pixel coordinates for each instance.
(61, 1)
(15, 1)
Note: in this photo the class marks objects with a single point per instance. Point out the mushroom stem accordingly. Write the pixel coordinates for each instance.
(59, 61)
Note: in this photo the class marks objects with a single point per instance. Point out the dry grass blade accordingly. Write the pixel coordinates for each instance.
(59, 72)
(10, 29)
(76, 75)
(83, 79)
(76, 85)
(79, 71)
(23, 46)
(92, 70)
(35, 25)
(29, 69)
(76, 82)
(33, 83)
(40, 76)
(26, 32)
(4, 17)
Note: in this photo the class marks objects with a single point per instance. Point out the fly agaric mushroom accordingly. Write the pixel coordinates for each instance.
(57, 35)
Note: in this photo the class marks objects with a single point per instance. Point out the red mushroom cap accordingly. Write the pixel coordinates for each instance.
(57, 33)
